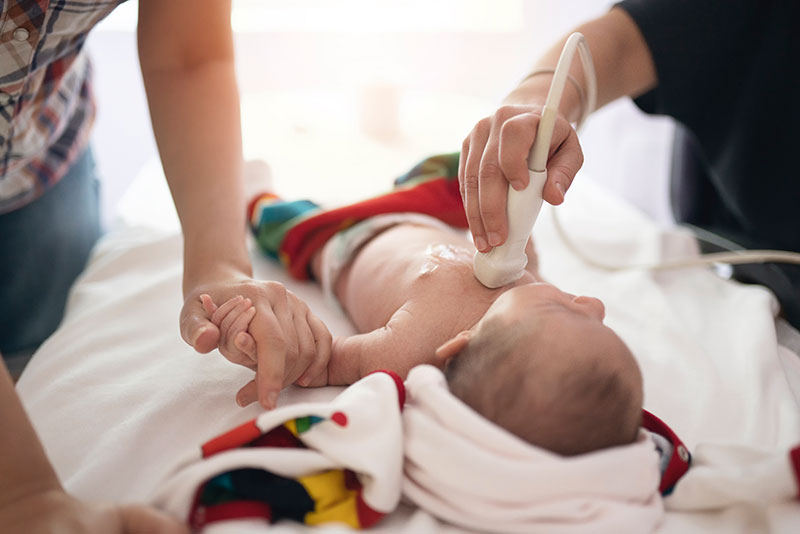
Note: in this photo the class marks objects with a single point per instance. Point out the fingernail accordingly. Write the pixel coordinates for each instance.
(480, 243)
(561, 189)
(198, 334)
(494, 238)
(517, 185)
(240, 340)
(272, 400)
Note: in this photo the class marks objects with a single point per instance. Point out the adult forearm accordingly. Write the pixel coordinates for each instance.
(622, 62)
(196, 121)
(24, 467)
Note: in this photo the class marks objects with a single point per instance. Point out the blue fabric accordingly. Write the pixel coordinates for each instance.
(44, 246)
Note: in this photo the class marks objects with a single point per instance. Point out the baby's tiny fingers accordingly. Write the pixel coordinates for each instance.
(208, 304)
(247, 395)
(223, 310)
(235, 317)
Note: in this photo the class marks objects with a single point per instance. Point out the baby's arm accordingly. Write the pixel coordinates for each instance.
(400, 345)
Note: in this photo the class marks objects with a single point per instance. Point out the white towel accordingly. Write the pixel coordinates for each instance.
(462, 468)
(360, 430)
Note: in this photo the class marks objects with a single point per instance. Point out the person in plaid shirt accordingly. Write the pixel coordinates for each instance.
(49, 212)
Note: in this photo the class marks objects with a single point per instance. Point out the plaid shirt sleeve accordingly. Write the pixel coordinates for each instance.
(46, 103)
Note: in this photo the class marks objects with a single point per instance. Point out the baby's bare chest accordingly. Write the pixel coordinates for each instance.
(427, 271)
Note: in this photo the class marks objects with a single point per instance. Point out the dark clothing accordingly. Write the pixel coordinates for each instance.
(44, 246)
(727, 72)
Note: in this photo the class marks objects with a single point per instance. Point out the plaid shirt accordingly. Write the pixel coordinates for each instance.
(46, 104)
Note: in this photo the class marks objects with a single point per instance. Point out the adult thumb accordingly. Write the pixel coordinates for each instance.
(196, 329)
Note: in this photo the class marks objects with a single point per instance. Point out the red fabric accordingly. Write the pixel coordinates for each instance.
(236, 437)
(280, 437)
(340, 418)
(251, 206)
(677, 466)
(794, 456)
(205, 515)
(438, 198)
(351, 481)
(366, 515)
(401, 387)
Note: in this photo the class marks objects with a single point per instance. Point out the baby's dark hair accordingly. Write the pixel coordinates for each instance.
(568, 409)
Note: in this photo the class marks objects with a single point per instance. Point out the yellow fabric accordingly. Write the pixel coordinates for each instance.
(333, 501)
(292, 426)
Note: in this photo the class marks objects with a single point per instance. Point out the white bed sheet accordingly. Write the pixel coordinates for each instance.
(117, 397)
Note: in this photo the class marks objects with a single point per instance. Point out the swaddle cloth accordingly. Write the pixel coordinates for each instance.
(462, 468)
(316, 463)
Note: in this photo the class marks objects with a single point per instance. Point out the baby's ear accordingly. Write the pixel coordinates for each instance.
(454, 345)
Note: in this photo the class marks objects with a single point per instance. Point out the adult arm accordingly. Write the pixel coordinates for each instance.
(495, 153)
(32, 499)
(187, 60)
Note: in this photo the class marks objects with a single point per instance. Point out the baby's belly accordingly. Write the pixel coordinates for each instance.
(404, 262)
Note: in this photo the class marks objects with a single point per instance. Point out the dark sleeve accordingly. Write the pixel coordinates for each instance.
(700, 49)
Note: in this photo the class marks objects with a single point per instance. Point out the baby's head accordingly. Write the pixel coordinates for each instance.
(541, 364)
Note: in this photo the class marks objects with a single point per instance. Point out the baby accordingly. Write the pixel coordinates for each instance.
(533, 359)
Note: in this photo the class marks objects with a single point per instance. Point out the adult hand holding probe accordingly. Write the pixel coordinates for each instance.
(495, 153)
(505, 263)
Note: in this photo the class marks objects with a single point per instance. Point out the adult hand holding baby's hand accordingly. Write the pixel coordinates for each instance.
(495, 154)
(273, 332)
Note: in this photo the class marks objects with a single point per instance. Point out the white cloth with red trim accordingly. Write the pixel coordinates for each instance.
(462, 468)
(360, 430)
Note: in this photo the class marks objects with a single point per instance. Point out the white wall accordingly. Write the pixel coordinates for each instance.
(449, 55)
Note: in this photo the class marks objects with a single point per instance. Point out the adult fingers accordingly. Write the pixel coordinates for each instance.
(196, 329)
(317, 373)
(271, 353)
(245, 343)
(306, 350)
(248, 394)
(516, 139)
(469, 182)
(492, 182)
(565, 161)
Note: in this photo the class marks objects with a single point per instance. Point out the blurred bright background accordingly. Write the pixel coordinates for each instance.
(341, 97)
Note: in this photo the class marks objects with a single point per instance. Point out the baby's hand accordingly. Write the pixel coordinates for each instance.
(232, 319)
(238, 345)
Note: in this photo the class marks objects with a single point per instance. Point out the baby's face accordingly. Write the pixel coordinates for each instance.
(559, 323)
(537, 301)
